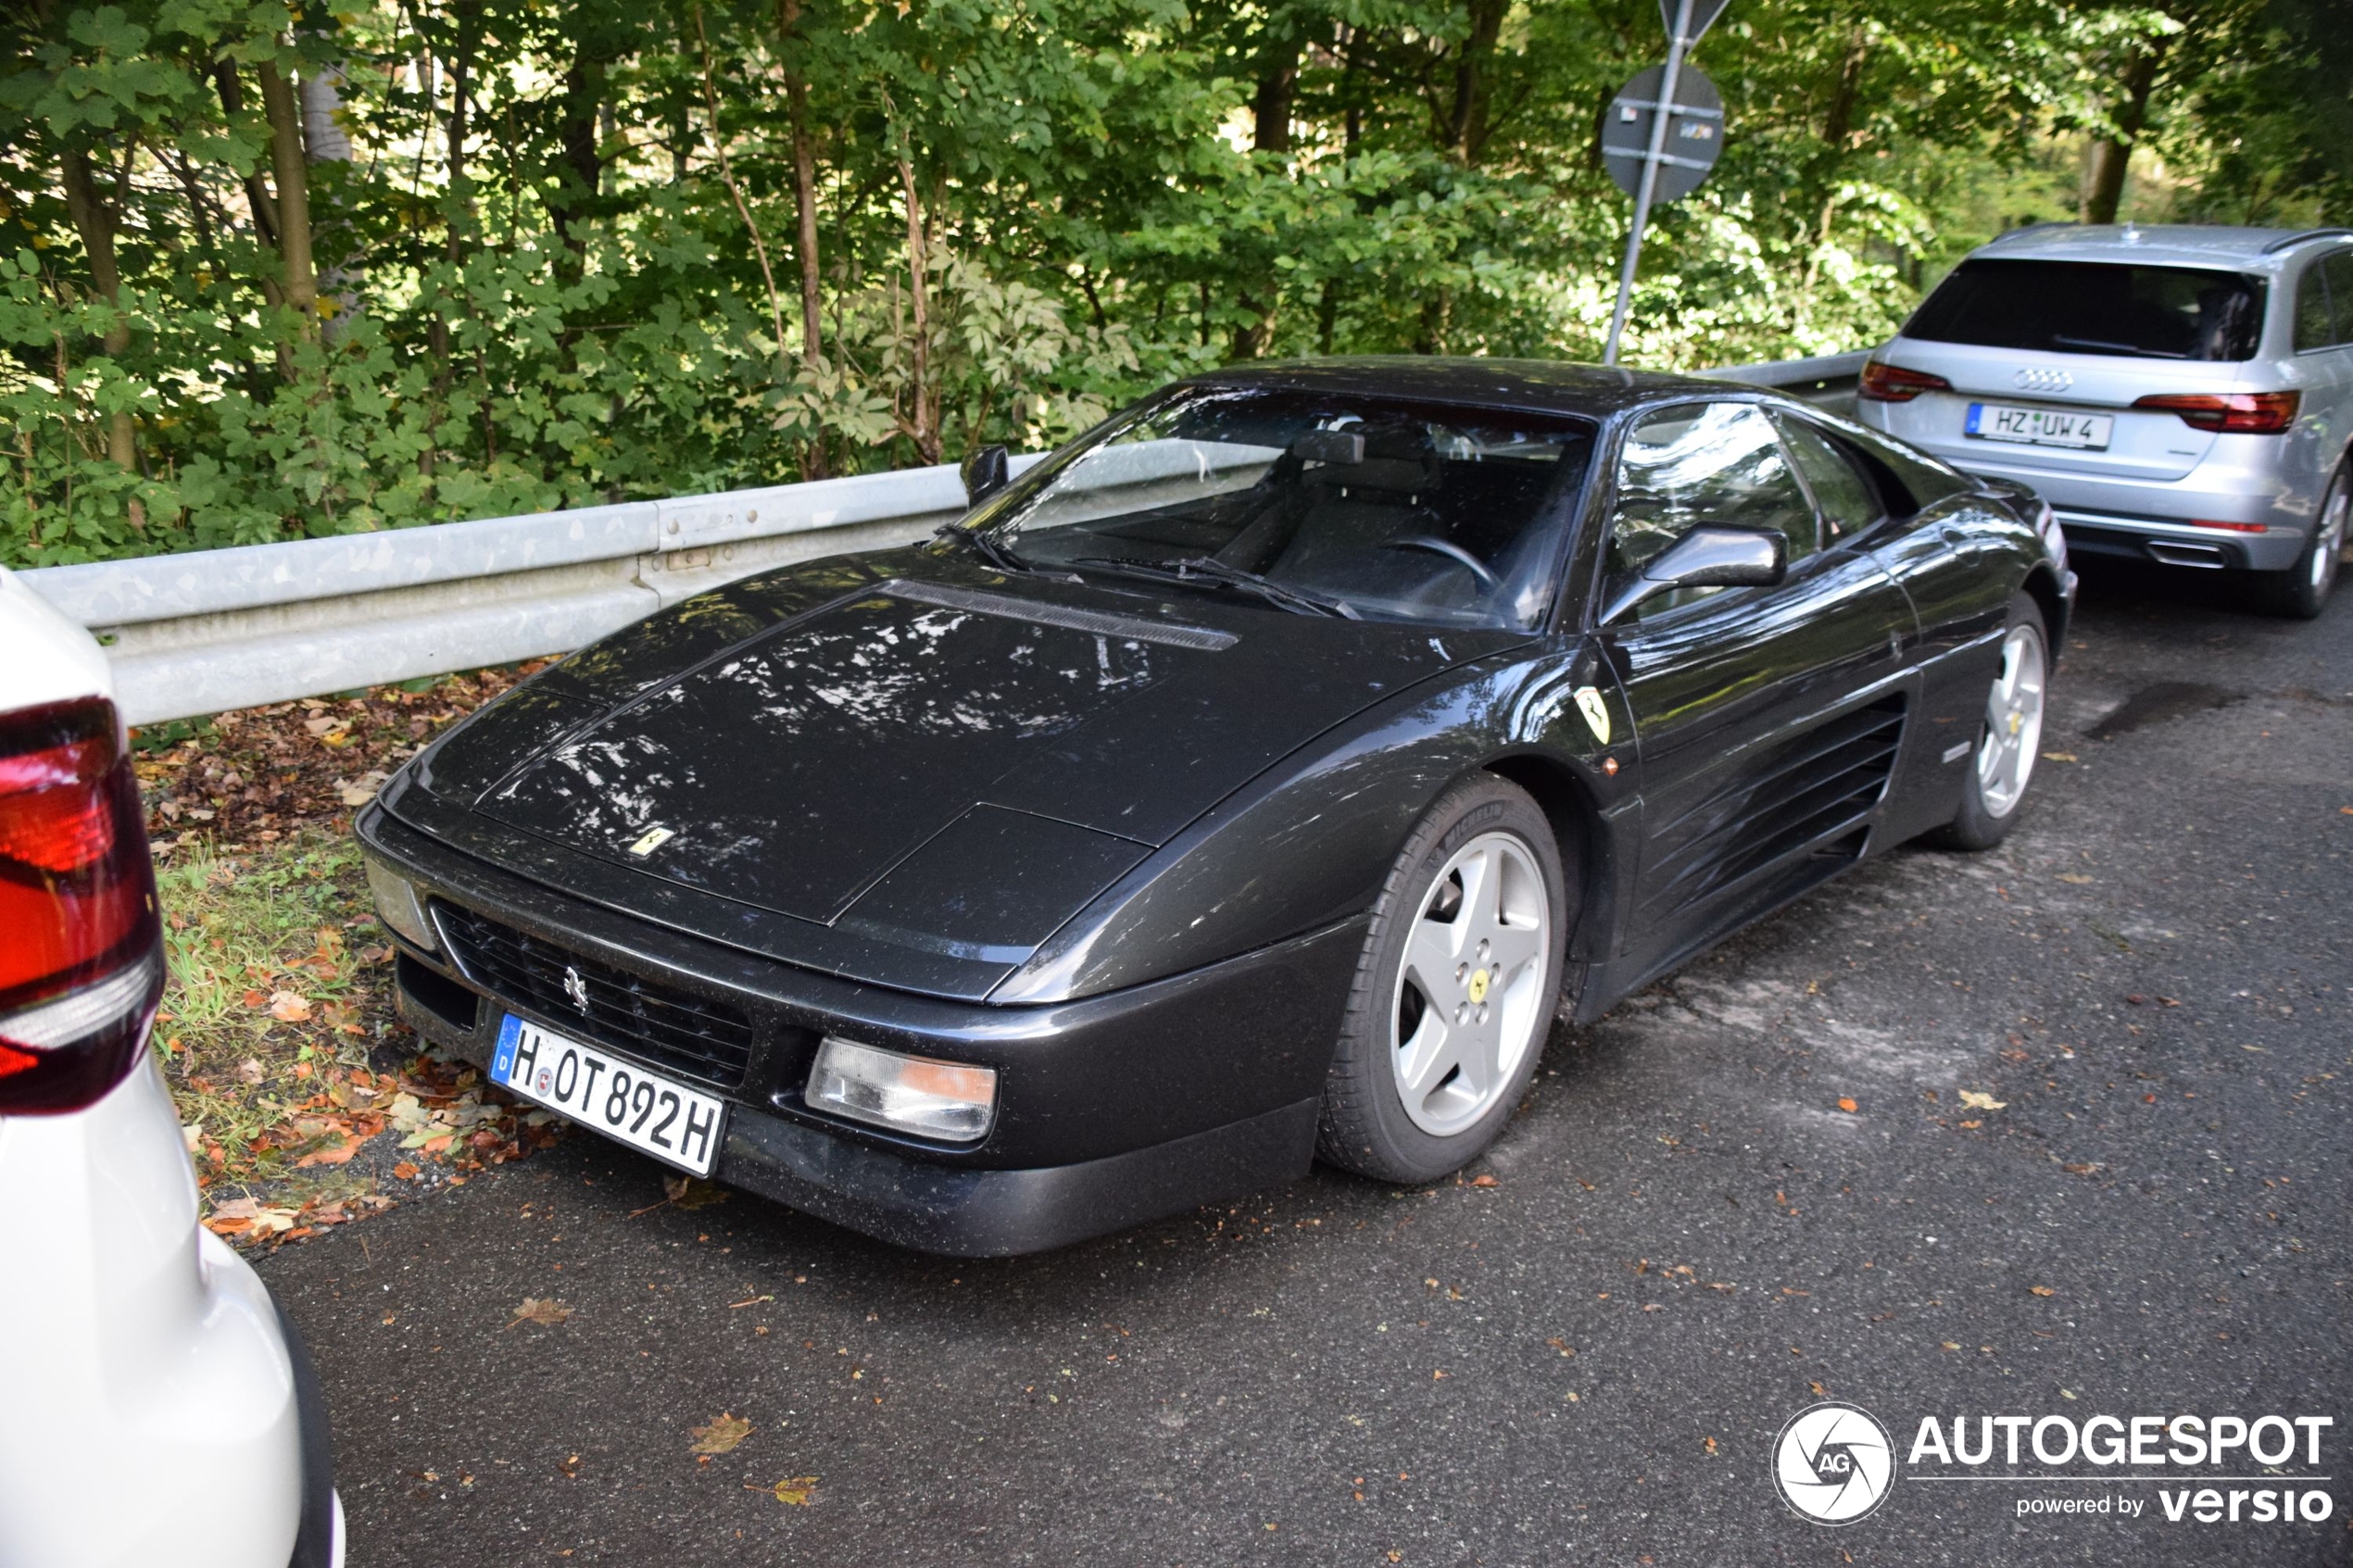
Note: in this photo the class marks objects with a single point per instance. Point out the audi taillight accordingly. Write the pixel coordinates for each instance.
(81, 949)
(2233, 413)
(1892, 383)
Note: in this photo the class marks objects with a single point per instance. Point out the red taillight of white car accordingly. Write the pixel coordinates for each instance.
(81, 952)
(1882, 383)
(2231, 413)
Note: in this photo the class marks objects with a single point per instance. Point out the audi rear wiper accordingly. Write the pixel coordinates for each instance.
(1202, 569)
(2106, 346)
(994, 552)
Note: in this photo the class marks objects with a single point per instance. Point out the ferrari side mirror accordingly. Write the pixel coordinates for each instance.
(985, 470)
(1709, 556)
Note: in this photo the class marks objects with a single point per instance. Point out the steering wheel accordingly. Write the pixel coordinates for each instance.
(1453, 552)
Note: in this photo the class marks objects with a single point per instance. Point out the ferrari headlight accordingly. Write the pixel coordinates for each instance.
(909, 1093)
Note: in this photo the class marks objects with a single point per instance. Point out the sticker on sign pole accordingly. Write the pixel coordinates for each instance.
(1694, 133)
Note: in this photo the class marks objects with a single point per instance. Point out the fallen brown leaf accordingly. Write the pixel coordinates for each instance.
(1484, 1181)
(721, 1433)
(692, 1192)
(795, 1491)
(2041, 1290)
(1847, 1104)
(405, 1170)
(1976, 1099)
(340, 1154)
(547, 1311)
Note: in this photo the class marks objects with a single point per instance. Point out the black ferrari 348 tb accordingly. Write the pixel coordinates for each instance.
(1254, 779)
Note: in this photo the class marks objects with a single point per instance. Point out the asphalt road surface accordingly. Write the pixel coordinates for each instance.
(1687, 1238)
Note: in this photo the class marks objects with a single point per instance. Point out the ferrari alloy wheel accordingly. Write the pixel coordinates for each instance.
(1455, 990)
(2003, 764)
(1469, 996)
(2013, 720)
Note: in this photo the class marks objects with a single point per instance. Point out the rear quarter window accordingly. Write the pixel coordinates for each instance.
(2096, 308)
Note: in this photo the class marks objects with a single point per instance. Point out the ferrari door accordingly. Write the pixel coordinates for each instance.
(1767, 719)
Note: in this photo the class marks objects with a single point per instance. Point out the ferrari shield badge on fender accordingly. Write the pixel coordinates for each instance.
(1596, 711)
(651, 841)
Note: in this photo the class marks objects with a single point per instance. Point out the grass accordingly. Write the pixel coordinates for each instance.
(267, 988)
(303, 1097)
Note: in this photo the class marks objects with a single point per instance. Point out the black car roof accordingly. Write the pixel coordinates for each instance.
(1551, 386)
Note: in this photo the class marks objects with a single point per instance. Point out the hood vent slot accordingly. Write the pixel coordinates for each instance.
(1011, 606)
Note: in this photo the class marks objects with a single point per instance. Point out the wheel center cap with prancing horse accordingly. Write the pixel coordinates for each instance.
(1478, 983)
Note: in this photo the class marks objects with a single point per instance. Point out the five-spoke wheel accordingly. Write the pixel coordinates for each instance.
(1470, 998)
(1455, 990)
(2011, 739)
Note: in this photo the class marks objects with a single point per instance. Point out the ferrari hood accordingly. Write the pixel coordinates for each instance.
(963, 761)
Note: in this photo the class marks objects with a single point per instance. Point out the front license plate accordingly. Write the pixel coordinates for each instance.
(2039, 427)
(657, 1115)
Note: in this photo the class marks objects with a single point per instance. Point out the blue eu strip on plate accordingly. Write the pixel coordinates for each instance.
(502, 1063)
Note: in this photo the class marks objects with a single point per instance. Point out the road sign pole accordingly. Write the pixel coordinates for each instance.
(1659, 117)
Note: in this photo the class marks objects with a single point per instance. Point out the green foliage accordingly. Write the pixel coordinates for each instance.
(531, 283)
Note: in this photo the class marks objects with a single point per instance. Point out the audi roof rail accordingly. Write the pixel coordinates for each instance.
(2031, 228)
(2280, 245)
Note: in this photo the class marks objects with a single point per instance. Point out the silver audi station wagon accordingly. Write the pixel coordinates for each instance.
(2178, 395)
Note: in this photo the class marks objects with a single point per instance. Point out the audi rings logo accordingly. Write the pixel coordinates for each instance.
(1833, 1463)
(2032, 380)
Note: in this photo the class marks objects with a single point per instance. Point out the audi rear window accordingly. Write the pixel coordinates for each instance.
(2094, 308)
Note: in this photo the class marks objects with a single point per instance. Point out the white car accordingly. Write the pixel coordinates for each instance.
(155, 1406)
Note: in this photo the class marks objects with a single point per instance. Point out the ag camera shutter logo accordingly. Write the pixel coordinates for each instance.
(1833, 1463)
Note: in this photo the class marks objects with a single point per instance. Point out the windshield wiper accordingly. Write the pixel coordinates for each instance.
(1202, 569)
(2133, 349)
(995, 553)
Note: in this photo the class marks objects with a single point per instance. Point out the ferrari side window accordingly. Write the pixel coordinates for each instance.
(1845, 499)
(1701, 463)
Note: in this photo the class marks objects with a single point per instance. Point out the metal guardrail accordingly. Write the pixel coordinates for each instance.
(1827, 380)
(211, 630)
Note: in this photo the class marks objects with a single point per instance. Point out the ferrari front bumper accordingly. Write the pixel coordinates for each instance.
(1112, 1110)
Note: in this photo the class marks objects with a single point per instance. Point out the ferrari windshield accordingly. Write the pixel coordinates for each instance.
(1376, 507)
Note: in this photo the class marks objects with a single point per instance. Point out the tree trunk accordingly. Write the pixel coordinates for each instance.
(727, 175)
(1838, 123)
(1278, 90)
(804, 201)
(1270, 132)
(1463, 129)
(325, 141)
(258, 196)
(2103, 178)
(580, 172)
(923, 428)
(294, 190)
(453, 244)
(95, 221)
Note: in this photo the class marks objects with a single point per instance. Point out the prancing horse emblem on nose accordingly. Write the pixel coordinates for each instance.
(576, 988)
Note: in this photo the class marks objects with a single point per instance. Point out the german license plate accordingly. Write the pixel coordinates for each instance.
(649, 1112)
(2039, 427)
